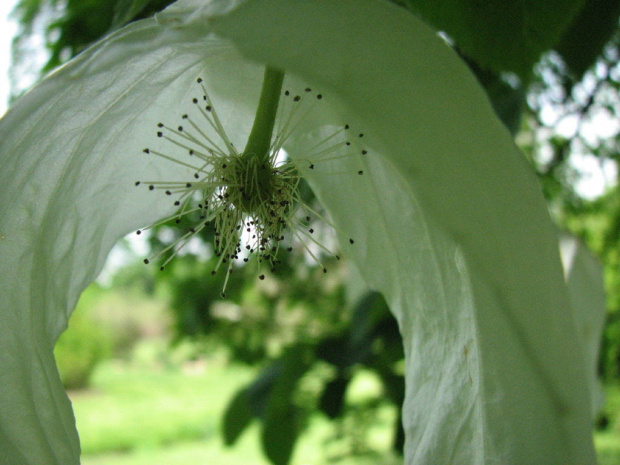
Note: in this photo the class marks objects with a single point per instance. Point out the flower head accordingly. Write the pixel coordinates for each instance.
(250, 198)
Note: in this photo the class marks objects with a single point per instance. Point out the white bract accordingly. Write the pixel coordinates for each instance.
(449, 221)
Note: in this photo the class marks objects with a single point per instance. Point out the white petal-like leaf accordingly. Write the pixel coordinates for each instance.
(584, 277)
(71, 151)
(454, 231)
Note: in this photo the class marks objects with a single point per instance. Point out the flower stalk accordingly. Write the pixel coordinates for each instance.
(259, 140)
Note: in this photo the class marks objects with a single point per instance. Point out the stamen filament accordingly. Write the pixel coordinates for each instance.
(216, 119)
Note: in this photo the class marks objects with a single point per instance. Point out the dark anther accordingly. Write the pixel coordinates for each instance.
(191, 152)
(319, 97)
(347, 143)
(168, 193)
(160, 134)
(188, 185)
(346, 126)
(361, 135)
(337, 257)
(146, 151)
(138, 232)
(223, 294)
(177, 221)
(160, 125)
(360, 172)
(151, 187)
(364, 152)
(199, 80)
(208, 108)
(180, 128)
(213, 273)
(324, 270)
(290, 249)
(311, 166)
(196, 176)
(307, 89)
(194, 100)
(161, 268)
(146, 261)
(137, 183)
(177, 203)
(351, 241)
(261, 277)
(311, 230)
(287, 93)
(297, 98)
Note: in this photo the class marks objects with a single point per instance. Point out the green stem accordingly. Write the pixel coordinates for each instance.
(259, 140)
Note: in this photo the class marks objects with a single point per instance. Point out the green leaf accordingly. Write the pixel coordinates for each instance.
(283, 420)
(237, 417)
(584, 40)
(126, 10)
(259, 390)
(280, 431)
(332, 398)
(367, 314)
(451, 226)
(502, 35)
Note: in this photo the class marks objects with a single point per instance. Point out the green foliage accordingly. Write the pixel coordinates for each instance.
(590, 31)
(80, 23)
(501, 35)
(371, 339)
(126, 11)
(80, 349)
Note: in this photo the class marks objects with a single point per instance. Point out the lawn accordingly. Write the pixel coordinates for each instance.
(153, 411)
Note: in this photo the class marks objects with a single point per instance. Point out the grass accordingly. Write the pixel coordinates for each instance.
(155, 411)
(133, 406)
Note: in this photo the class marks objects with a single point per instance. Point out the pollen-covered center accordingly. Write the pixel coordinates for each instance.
(253, 184)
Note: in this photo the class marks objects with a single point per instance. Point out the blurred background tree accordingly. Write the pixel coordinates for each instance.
(551, 72)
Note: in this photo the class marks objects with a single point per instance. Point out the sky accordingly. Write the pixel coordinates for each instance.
(7, 31)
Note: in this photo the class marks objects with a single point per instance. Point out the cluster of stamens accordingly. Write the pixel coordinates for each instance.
(252, 203)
